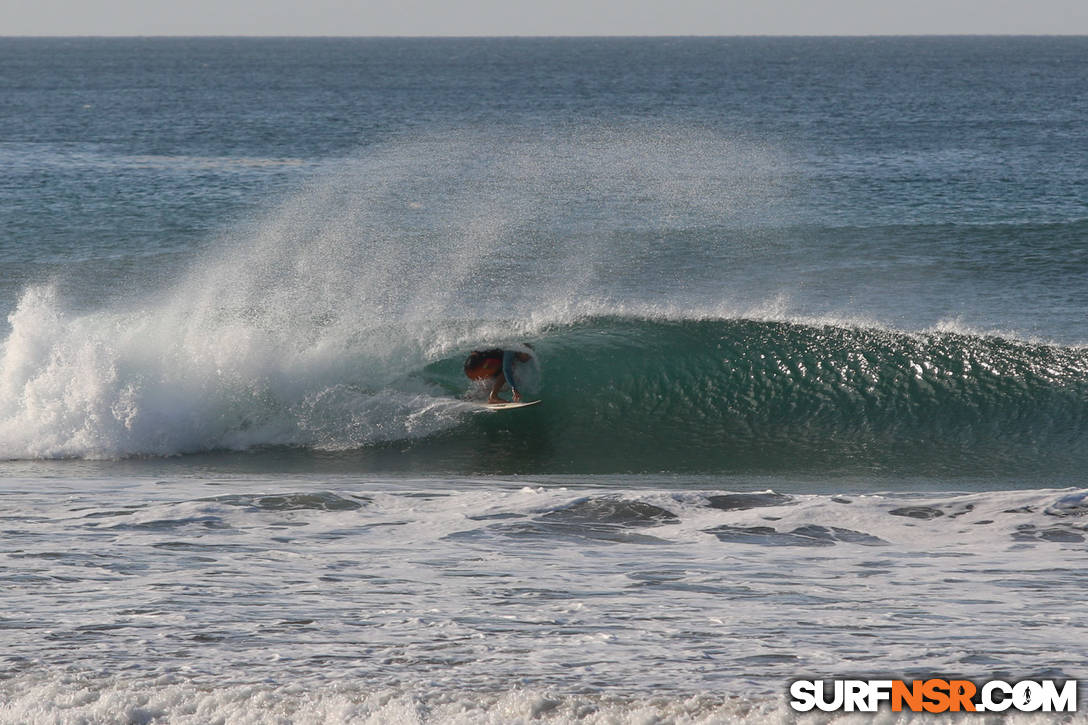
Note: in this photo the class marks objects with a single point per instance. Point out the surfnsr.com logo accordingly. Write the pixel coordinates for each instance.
(934, 695)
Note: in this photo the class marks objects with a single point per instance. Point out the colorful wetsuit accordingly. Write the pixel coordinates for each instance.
(484, 364)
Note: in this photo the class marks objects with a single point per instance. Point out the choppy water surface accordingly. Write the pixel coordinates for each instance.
(201, 594)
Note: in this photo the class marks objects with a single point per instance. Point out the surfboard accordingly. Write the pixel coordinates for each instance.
(508, 406)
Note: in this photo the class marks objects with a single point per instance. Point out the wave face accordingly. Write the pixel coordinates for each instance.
(749, 395)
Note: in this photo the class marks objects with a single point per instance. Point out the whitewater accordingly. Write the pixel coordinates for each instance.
(809, 336)
(408, 601)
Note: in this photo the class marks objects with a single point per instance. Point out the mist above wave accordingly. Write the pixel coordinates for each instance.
(310, 321)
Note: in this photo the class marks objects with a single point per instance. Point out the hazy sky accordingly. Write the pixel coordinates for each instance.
(541, 17)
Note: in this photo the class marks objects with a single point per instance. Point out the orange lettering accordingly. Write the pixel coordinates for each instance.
(936, 691)
(912, 695)
(961, 692)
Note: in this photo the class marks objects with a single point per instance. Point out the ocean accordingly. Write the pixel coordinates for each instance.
(808, 318)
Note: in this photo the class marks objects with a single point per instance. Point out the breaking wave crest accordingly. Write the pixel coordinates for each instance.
(621, 393)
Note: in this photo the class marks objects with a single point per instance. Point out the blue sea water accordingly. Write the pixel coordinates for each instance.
(813, 353)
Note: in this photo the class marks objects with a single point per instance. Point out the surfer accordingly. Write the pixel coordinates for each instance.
(496, 365)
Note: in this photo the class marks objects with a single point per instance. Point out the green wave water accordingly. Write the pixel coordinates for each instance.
(625, 394)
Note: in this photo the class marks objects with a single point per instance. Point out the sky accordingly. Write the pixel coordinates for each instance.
(542, 17)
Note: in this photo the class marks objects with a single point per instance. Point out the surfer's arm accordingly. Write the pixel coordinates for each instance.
(508, 357)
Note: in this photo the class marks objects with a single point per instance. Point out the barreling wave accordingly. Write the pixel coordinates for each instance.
(621, 394)
(742, 395)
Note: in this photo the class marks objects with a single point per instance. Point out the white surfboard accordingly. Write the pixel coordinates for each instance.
(508, 406)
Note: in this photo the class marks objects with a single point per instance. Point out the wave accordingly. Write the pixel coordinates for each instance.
(621, 393)
(307, 327)
(633, 394)
(339, 321)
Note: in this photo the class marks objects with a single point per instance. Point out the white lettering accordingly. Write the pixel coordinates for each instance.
(989, 704)
(1064, 701)
(879, 690)
(1027, 696)
(804, 695)
(836, 702)
(856, 696)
